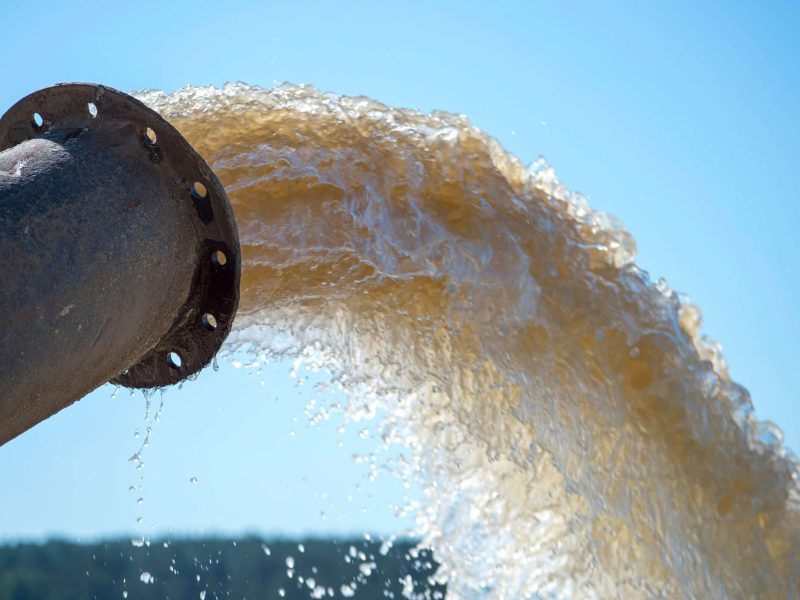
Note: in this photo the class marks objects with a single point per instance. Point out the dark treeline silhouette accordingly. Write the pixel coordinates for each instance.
(217, 568)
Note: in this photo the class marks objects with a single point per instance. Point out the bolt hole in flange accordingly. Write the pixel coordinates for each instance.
(209, 322)
(174, 360)
(199, 191)
(38, 121)
(219, 258)
(92, 108)
(150, 136)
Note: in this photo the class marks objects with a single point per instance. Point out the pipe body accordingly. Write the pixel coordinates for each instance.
(103, 260)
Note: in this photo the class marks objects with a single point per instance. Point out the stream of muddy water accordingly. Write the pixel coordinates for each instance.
(575, 434)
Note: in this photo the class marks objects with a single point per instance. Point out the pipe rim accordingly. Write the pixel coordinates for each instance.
(207, 317)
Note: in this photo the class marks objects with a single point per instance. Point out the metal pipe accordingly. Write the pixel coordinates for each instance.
(120, 253)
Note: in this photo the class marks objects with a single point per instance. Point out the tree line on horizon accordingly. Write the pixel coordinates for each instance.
(218, 568)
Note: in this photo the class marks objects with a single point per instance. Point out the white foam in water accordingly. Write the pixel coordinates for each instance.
(575, 434)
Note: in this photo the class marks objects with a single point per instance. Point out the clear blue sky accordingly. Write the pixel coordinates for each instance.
(681, 118)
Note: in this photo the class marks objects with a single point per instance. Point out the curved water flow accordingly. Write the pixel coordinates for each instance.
(576, 435)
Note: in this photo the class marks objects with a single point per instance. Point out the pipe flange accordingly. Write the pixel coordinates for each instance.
(206, 318)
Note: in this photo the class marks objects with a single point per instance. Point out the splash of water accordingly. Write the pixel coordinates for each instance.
(577, 436)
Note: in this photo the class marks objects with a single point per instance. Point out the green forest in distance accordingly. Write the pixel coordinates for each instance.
(249, 568)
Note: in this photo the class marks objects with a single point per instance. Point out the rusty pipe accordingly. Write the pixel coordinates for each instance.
(121, 257)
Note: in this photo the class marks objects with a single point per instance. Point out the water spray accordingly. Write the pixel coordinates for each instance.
(121, 256)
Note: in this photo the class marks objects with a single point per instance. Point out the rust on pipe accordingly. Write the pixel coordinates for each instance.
(121, 257)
